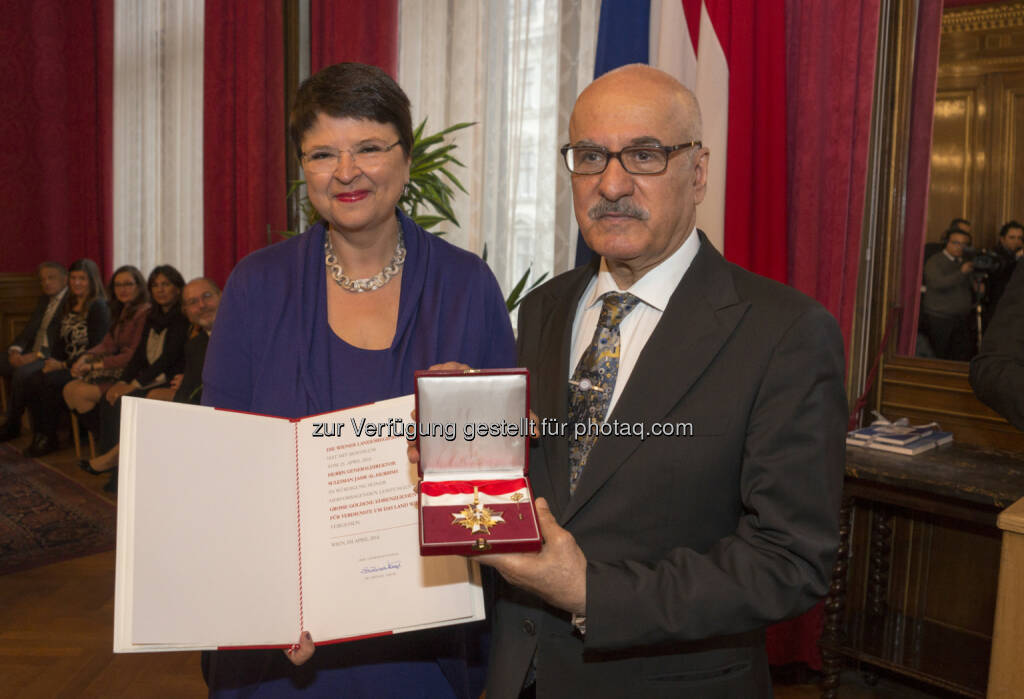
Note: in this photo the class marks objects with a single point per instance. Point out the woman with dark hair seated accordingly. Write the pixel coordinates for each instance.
(157, 358)
(100, 366)
(343, 315)
(84, 318)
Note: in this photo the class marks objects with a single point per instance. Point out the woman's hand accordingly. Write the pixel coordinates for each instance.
(450, 366)
(117, 390)
(301, 651)
(52, 365)
(81, 366)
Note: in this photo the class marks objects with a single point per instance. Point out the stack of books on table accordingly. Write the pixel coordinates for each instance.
(899, 439)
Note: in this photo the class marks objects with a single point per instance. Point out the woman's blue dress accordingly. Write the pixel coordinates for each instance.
(273, 352)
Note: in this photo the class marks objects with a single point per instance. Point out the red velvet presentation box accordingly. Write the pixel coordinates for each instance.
(473, 438)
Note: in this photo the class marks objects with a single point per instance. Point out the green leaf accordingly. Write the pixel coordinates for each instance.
(457, 127)
(513, 297)
(427, 221)
(517, 294)
(454, 179)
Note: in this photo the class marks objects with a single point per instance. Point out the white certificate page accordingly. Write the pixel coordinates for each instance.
(207, 553)
(362, 570)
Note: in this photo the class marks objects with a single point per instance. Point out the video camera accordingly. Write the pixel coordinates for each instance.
(985, 261)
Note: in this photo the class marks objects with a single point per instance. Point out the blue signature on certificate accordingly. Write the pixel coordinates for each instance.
(390, 565)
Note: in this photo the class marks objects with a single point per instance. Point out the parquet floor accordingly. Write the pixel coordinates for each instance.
(56, 630)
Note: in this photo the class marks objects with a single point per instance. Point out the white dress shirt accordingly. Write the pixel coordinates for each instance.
(653, 289)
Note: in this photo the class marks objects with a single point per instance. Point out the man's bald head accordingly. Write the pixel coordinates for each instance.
(646, 83)
(636, 220)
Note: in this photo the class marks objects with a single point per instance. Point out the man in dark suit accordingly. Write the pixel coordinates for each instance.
(200, 298)
(1009, 249)
(31, 347)
(665, 557)
(997, 373)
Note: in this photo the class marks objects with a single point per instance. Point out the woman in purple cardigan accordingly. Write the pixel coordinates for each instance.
(339, 316)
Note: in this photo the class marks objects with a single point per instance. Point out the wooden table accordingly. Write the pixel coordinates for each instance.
(914, 585)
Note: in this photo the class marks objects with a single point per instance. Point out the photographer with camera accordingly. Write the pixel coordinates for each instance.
(949, 298)
(1000, 263)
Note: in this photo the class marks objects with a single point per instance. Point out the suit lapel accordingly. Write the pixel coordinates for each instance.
(552, 379)
(701, 315)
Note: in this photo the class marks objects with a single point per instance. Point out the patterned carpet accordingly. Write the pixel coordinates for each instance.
(46, 517)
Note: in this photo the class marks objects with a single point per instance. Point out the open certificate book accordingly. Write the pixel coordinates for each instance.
(241, 530)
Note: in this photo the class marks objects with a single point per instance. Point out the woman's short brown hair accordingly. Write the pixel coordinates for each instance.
(352, 90)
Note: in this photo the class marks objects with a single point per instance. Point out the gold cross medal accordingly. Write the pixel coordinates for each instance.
(477, 517)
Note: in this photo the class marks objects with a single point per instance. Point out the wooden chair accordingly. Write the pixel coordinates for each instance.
(78, 438)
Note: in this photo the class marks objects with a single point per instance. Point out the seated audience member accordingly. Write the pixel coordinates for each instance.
(26, 354)
(84, 319)
(100, 366)
(158, 357)
(948, 298)
(1009, 249)
(201, 299)
(997, 373)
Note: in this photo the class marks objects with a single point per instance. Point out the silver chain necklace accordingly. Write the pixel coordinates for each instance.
(369, 283)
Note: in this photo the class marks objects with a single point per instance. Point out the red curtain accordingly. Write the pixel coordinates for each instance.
(831, 75)
(244, 182)
(831, 64)
(753, 38)
(922, 109)
(354, 30)
(56, 107)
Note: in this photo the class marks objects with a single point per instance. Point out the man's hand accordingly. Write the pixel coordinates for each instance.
(19, 359)
(52, 365)
(966, 268)
(558, 574)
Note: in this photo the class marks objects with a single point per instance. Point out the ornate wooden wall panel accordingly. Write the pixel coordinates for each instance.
(957, 162)
(19, 295)
(978, 127)
(1013, 188)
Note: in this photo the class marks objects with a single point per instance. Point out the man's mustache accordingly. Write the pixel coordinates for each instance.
(622, 207)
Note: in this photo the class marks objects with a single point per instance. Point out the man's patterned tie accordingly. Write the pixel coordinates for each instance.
(591, 386)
